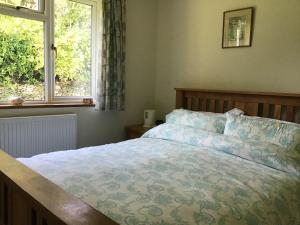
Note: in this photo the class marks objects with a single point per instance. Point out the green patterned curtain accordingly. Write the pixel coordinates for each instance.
(111, 85)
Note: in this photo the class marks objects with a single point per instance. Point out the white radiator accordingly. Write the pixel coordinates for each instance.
(28, 136)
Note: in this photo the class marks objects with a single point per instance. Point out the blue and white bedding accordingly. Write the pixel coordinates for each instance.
(183, 176)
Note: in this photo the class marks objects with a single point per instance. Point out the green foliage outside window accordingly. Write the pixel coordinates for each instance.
(22, 52)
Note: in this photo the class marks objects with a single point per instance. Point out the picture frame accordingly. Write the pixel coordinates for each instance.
(238, 28)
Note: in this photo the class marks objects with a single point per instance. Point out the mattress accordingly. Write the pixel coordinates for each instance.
(162, 182)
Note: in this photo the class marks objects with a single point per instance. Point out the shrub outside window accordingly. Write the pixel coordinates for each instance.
(47, 55)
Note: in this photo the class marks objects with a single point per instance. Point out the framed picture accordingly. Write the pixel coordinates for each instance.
(237, 28)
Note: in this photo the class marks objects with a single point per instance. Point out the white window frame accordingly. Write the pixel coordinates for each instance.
(46, 15)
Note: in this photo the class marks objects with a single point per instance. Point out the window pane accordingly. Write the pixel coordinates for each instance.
(21, 58)
(73, 41)
(30, 4)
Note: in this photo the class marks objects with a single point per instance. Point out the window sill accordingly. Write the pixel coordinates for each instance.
(54, 105)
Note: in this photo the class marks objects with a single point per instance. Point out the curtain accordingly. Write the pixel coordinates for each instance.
(111, 84)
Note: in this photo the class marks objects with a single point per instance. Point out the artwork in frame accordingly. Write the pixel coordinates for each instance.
(237, 28)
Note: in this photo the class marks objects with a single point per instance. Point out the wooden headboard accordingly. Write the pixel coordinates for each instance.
(271, 105)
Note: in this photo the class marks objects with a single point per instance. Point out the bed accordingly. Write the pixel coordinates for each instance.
(187, 177)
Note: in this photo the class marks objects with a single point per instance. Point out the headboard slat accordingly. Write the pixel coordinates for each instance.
(272, 105)
(230, 105)
(290, 113)
(240, 105)
(266, 110)
(212, 105)
(277, 112)
(252, 109)
(203, 104)
(189, 103)
(221, 106)
(195, 105)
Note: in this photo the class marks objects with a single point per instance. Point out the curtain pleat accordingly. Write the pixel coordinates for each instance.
(111, 85)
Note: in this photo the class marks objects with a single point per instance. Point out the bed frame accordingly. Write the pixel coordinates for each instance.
(27, 198)
(270, 105)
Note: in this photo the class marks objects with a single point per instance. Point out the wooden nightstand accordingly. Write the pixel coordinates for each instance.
(135, 131)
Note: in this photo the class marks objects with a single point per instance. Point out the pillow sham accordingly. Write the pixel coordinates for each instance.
(213, 122)
(236, 112)
(264, 153)
(278, 132)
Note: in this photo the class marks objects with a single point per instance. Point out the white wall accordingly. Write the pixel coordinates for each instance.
(189, 52)
(95, 128)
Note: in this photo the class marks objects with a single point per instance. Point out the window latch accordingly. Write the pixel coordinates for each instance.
(54, 48)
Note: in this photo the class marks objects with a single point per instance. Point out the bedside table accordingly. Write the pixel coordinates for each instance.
(135, 131)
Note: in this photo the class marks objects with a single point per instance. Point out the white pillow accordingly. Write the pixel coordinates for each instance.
(208, 121)
(236, 112)
(213, 122)
(273, 131)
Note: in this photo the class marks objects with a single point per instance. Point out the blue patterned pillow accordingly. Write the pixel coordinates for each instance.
(213, 122)
(278, 132)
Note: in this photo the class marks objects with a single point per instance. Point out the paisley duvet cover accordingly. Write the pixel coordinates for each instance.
(159, 181)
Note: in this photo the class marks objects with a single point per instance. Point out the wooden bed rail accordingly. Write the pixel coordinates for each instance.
(27, 198)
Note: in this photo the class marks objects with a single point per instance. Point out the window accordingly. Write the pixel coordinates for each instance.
(47, 50)
(30, 4)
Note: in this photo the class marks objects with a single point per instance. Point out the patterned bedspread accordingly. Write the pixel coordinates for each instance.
(162, 182)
